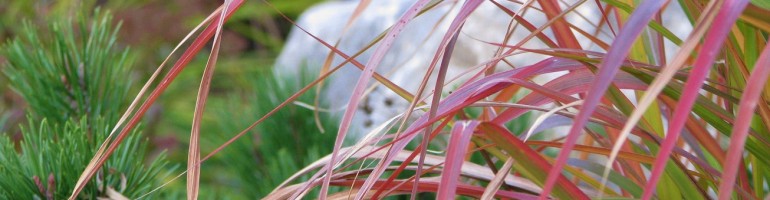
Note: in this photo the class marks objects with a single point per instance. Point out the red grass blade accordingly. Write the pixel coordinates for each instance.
(726, 17)
(361, 85)
(469, 170)
(607, 69)
(432, 185)
(100, 151)
(526, 24)
(362, 5)
(439, 86)
(564, 35)
(411, 157)
(186, 57)
(446, 47)
(468, 94)
(660, 82)
(455, 156)
(480, 89)
(749, 100)
(533, 164)
(392, 86)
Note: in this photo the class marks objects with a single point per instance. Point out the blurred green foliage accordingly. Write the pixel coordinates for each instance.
(52, 157)
(279, 146)
(73, 78)
(74, 75)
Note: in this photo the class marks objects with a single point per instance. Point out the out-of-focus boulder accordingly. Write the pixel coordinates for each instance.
(408, 59)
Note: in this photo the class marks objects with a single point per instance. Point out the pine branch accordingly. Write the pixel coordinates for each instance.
(74, 77)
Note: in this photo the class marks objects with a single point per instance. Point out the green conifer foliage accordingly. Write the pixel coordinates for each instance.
(74, 78)
(65, 71)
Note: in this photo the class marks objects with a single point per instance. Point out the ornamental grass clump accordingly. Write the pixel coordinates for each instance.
(642, 123)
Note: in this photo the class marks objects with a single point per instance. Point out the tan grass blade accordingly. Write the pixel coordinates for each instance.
(469, 169)
(544, 116)
(347, 152)
(494, 185)
(194, 157)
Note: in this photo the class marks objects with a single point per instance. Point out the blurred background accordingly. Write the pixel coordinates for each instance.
(242, 89)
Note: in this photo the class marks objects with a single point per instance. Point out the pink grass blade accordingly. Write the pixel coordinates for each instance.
(511, 28)
(361, 85)
(432, 112)
(186, 57)
(444, 51)
(479, 89)
(560, 89)
(432, 185)
(554, 20)
(468, 94)
(194, 152)
(468, 170)
(526, 24)
(749, 100)
(661, 81)
(350, 59)
(463, 97)
(411, 157)
(390, 85)
(534, 33)
(726, 17)
(362, 5)
(607, 68)
(455, 156)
